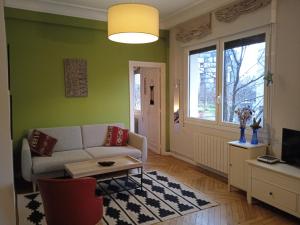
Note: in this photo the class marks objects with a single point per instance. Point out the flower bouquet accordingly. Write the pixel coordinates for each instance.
(244, 114)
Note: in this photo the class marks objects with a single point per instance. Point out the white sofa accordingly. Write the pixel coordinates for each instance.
(77, 143)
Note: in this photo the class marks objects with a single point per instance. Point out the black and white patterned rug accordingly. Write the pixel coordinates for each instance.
(161, 198)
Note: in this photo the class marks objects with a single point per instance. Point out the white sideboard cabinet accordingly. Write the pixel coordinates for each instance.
(275, 184)
(238, 154)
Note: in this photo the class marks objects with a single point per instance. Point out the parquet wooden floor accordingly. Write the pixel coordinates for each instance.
(233, 207)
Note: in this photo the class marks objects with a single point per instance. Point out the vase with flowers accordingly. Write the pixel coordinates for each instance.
(244, 114)
(255, 126)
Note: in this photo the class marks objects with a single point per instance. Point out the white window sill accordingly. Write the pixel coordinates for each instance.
(225, 127)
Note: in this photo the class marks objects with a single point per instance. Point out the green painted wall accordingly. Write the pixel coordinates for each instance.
(39, 42)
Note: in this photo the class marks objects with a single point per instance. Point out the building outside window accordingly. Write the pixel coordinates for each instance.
(202, 83)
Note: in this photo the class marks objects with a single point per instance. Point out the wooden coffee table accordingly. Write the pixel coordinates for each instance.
(91, 167)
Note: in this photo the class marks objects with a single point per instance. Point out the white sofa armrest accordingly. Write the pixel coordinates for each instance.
(26, 161)
(139, 142)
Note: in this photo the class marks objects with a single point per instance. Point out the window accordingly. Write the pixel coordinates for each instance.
(243, 76)
(202, 83)
(137, 92)
(239, 84)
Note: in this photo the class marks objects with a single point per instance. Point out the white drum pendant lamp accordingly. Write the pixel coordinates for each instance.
(133, 23)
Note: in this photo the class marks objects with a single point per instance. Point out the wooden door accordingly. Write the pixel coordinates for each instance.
(151, 107)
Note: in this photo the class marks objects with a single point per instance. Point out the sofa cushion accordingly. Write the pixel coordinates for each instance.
(41, 144)
(103, 152)
(68, 138)
(116, 136)
(95, 135)
(58, 160)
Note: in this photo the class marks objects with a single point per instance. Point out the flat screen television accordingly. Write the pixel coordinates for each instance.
(291, 146)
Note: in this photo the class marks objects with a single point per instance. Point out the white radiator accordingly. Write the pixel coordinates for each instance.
(211, 151)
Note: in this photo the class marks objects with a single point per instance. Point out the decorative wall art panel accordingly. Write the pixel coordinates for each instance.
(232, 11)
(195, 28)
(76, 84)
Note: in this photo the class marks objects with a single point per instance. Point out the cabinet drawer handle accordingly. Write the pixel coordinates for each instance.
(271, 193)
(230, 164)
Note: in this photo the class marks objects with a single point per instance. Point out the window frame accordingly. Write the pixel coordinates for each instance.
(187, 84)
(219, 42)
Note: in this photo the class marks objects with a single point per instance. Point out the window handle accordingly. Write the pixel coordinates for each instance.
(219, 99)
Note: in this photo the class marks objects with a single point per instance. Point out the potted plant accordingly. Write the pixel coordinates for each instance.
(255, 126)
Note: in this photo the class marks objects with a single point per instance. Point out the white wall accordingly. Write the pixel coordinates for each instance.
(286, 97)
(7, 206)
(182, 137)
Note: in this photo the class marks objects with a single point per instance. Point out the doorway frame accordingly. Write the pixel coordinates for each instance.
(7, 187)
(162, 67)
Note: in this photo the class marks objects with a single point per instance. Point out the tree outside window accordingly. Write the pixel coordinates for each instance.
(242, 79)
(244, 70)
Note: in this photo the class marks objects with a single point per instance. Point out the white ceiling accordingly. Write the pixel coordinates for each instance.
(170, 10)
(166, 7)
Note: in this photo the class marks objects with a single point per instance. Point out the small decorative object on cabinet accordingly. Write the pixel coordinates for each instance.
(255, 126)
(275, 184)
(244, 114)
(254, 139)
(242, 135)
(238, 154)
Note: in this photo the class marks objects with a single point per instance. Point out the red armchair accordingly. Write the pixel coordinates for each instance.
(71, 201)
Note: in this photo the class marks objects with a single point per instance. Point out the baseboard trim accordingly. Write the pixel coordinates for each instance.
(212, 170)
(183, 158)
(166, 153)
(190, 161)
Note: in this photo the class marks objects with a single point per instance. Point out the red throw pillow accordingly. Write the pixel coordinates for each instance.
(41, 143)
(116, 136)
